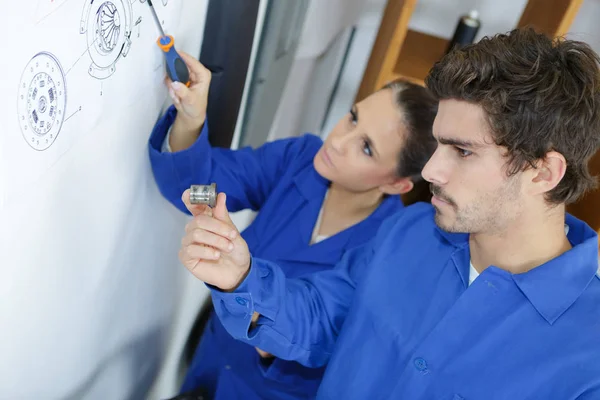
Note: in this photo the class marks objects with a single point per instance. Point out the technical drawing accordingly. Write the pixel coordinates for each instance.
(42, 100)
(164, 2)
(108, 27)
(45, 8)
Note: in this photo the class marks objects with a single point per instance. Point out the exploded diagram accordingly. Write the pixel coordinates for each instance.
(106, 26)
(42, 100)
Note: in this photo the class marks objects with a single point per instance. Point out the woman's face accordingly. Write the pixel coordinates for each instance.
(361, 153)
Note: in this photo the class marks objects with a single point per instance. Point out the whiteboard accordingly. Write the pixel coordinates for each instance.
(88, 248)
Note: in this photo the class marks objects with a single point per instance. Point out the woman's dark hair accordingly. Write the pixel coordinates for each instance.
(419, 108)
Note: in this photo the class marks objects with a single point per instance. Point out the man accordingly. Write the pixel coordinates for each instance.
(491, 292)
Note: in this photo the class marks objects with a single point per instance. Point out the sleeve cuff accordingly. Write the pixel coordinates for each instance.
(235, 309)
(159, 138)
(162, 126)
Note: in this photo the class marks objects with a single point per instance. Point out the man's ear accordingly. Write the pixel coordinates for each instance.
(547, 173)
(397, 186)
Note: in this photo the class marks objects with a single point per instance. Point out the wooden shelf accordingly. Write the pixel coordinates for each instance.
(401, 52)
(588, 207)
(552, 17)
(418, 54)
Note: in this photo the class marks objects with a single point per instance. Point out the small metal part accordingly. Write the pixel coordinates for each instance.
(204, 194)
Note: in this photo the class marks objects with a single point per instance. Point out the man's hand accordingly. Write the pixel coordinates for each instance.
(212, 248)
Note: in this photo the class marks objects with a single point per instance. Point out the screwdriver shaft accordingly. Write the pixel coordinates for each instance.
(162, 32)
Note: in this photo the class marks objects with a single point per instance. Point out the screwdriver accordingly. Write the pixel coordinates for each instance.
(176, 68)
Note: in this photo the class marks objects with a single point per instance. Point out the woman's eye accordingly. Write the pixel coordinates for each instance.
(353, 117)
(463, 153)
(366, 148)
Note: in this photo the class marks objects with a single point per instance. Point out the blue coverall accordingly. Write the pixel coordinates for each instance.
(278, 180)
(397, 319)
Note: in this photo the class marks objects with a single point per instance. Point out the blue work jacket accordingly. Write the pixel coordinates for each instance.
(278, 180)
(396, 319)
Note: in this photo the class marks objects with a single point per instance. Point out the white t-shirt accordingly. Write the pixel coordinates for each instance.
(473, 274)
(316, 238)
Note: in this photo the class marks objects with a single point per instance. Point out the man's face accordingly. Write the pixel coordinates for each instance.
(467, 172)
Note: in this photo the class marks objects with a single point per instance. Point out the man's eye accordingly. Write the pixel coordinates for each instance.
(463, 153)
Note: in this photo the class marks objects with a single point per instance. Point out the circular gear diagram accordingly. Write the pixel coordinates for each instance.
(108, 28)
(42, 101)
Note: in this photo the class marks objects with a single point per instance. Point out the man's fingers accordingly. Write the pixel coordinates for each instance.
(194, 209)
(220, 211)
(210, 224)
(209, 271)
(200, 252)
(203, 237)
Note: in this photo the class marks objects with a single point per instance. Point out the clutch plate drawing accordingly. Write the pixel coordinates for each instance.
(107, 25)
(42, 100)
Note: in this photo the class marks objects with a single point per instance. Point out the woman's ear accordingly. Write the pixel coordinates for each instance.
(397, 186)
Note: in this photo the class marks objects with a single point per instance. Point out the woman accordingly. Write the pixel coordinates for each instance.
(315, 200)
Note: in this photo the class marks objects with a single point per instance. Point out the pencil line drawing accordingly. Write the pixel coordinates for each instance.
(164, 2)
(42, 100)
(45, 8)
(107, 25)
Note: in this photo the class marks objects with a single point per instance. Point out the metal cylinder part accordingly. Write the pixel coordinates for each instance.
(204, 194)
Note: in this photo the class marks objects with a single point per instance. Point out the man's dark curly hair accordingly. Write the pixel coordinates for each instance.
(539, 95)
